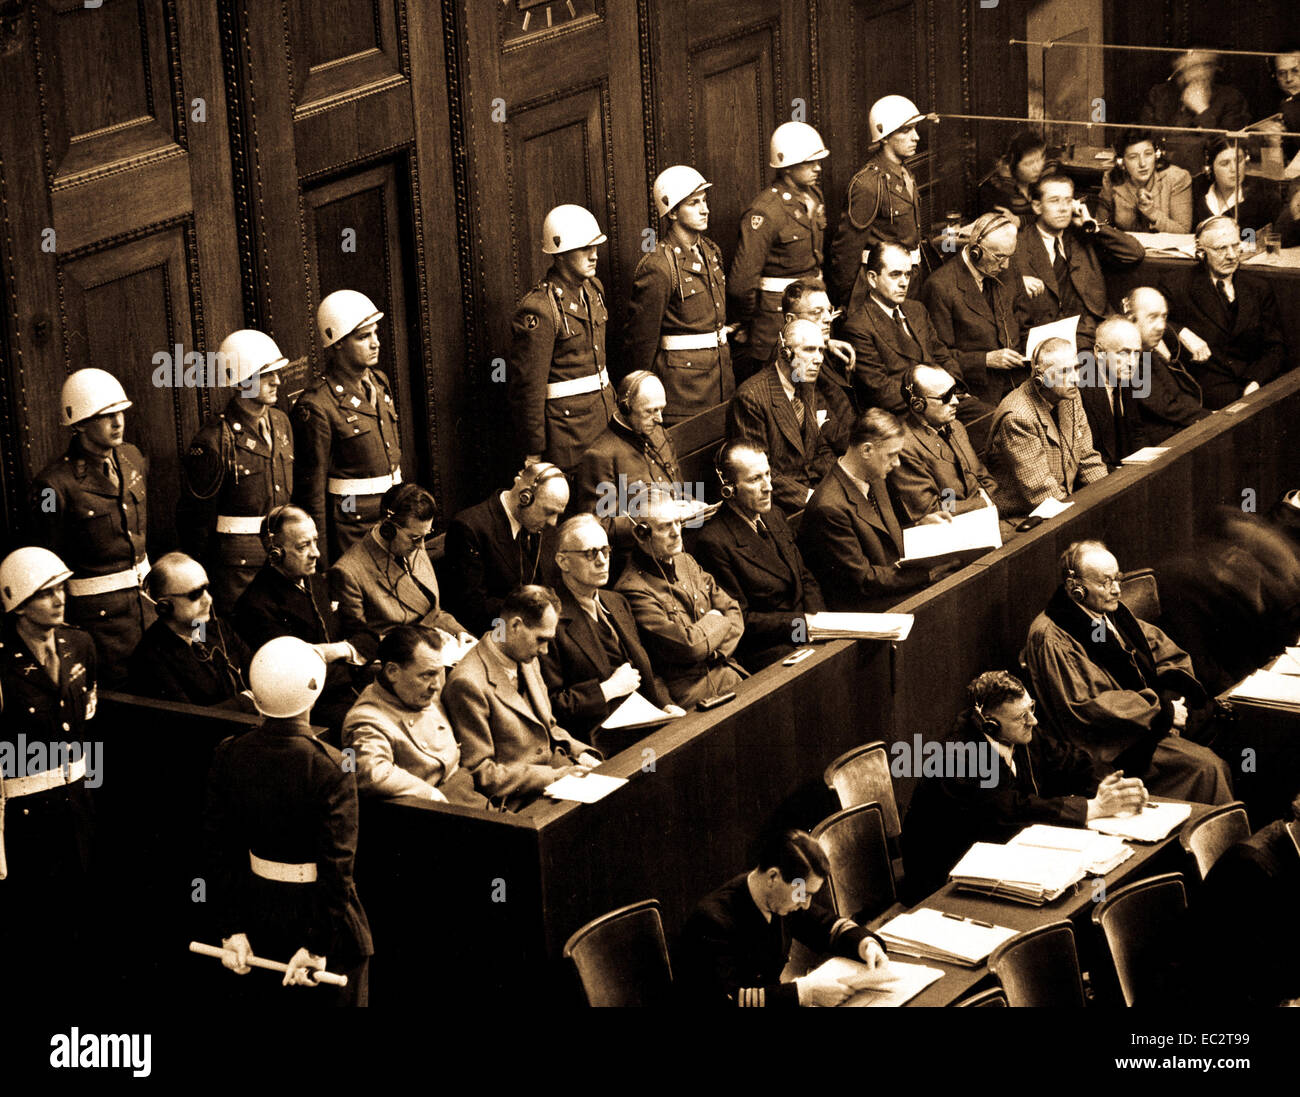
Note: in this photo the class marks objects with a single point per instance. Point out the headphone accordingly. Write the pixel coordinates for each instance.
(397, 502)
(1200, 251)
(271, 526)
(987, 724)
(719, 464)
(541, 472)
(628, 390)
(914, 396)
(974, 248)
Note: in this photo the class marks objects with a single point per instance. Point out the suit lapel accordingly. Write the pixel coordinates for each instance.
(536, 690)
(582, 632)
(1039, 264)
(510, 695)
(975, 300)
(890, 521)
(784, 411)
(760, 553)
(861, 504)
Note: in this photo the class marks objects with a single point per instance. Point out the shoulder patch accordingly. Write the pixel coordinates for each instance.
(756, 222)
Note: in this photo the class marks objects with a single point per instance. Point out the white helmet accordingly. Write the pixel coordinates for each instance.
(567, 228)
(26, 571)
(286, 676)
(795, 143)
(890, 114)
(676, 184)
(91, 392)
(342, 312)
(248, 353)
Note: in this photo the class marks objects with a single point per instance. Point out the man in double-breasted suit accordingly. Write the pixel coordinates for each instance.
(499, 708)
(749, 549)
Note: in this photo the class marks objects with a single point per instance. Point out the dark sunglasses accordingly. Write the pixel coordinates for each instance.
(191, 595)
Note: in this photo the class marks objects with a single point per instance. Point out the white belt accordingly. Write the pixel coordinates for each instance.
(915, 253)
(702, 341)
(39, 782)
(104, 584)
(774, 285)
(375, 485)
(284, 874)
(593, 382)
(231, 523)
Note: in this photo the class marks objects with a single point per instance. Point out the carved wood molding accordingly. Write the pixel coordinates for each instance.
(649, 90)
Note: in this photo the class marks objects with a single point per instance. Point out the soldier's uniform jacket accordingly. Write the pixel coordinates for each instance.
(676, 292)
(779, 238)
(230, 471)
(339, 434)
(558, 335)
(882, 206)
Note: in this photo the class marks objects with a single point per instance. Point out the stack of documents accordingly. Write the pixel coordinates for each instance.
(1026, 874)
(1145, 455)
(934, 935)
(1287, 663)
(890, 986)
(1151, 824)
(635, 712)
(1268, 687)
(861, 626)
(1100, 852)
(967, 536)
(1180, 244)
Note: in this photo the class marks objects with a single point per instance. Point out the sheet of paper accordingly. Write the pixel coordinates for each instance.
(1066, 329)
(1151, 824)
(1270, 687)
(635, 711)
(1144, 455)
(974, 531)
(909, 981)
(872, 626)
(453, 651)
(1050, 508)
(1168, 243)
(1287, 663)
(584, 790)
(944, 937)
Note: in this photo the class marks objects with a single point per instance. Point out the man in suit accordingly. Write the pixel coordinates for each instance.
(891, 333)
(938, 468)
(749, 549)
(779, 410)
(387, 578)
(976, 302)
(1066, 249)
(805, 299)
(398, 730)
(849, 534)
(1040, 446)
(596, 660)
(497, 701)
(1235, 312)
(1116, 378)
(1174, 397)
(497, 545)
(690, 626)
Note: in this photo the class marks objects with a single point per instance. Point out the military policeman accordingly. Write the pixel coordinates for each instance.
(780, 241)
(558, 384)
(883, 205)
(346, 448)
(677, 322)
(88, 506)
(280, 827)
(239, 468)
(47, 694)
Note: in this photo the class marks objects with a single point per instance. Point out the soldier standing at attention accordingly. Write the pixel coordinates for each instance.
(559, 392)
(238, 469)
(347, 452)
(88, 507)
(882, 204)
(780, 241)
(677, 323)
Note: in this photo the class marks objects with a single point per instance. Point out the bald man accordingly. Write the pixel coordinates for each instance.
(1113, 377)
(779, 410)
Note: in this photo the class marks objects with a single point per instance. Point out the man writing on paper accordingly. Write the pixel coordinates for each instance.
(736, 942)
(1118, 687)
(596, 660)
(1033, 779)
(1040, 446)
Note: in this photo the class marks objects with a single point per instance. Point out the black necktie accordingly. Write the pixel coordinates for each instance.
(946, 434)
(1222, 286)
(528, 556)
(1123, 444)
(903, 329)
(990, 296)
(1060, 267)
(760, 528)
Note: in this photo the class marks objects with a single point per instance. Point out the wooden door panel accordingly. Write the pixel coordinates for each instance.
(341, 47)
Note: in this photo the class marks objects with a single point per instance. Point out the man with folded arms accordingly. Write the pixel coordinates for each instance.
(402, 738)
(735, 944)
(1118, 687)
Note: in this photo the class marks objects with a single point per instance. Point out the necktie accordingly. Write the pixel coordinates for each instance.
(799, 410)
(367, 386)
(264, 429)
(904, 330)
(1221, 285)
(1060, 267)
(528, 556)
(49, 658)
(1123, 444)
(946, 434)
(760, 528)
(521, 687)
(989, 295)
(110, 470)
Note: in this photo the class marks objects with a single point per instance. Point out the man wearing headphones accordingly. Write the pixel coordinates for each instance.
(1118, 687)
(503, 543)
(1174, 401)
(806, 299)
(1031, 779)
(976, 303)
(1234, 311)
(387, 578)
(779, 410)
(749, 549)
(1118, 384)
(690, 626)
(1040, 446)
(189, 654)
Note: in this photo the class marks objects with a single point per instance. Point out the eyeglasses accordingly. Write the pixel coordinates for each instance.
(591, 555)
(1028, 715)
(954, 393)
(1104, 581)
(191, 595)
(1223, 249)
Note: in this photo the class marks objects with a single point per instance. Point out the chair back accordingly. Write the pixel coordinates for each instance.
(622, 957)
(861, 776)
(1040, 967)
(1138, 591)
(995, 996)
(1137, 922)
(1214, 832)
(862, 878)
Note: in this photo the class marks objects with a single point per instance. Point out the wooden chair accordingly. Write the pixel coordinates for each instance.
(1040, 967)
(995, 996)
(861, 776)
(1214, 832)
(1136, 922)
(861, 884)
(622, 957)
(1138, 591)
